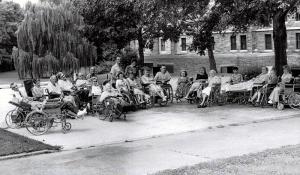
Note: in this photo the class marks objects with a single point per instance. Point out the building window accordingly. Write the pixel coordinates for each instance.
(183, 44)
(297, 17)
(233, 42)
(243, 42)
(298, 40)
(162, 45)
(268, 41)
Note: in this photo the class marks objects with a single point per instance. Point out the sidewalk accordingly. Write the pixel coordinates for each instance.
(160, 121)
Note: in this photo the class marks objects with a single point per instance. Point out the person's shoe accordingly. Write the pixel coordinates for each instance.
(81, 113)
(165, 98)
(270, 102)
(199, 106)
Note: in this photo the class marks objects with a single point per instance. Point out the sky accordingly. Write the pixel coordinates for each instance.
(23, 2)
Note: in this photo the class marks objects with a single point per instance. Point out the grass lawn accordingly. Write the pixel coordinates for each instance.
(284, 160)
(11, 143)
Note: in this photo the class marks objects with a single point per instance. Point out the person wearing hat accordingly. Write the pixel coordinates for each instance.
(181, 84)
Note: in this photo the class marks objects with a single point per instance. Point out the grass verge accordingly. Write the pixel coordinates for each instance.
(11, 143)
(285, 160)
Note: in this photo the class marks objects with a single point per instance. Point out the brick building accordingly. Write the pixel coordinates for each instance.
(249, 50)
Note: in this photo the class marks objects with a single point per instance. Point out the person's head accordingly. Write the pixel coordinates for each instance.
(60, 76)
(147, 71)
(118, 60)
(92, 70)
(120, 75)
(273, 72)
(14, 86)
(107, 85)
(53, 79)
(163, 69)
(212, 73)
(36, 83)
(235, 70)
(133, 62)
(131, 75)
(80, 76)
(286, 69)
(183, 73)
(202, 70)
(264, 70)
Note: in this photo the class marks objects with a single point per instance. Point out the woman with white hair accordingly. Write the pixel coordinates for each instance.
(213, 80)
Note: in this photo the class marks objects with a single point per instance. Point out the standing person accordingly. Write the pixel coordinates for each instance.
(163, 76)
(201, 77)
(133, 68)
(285, 78)
(213, 80)
(181, 84)
(115, 69)
(149, 81)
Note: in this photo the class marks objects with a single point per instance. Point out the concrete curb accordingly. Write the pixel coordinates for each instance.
(14, 156)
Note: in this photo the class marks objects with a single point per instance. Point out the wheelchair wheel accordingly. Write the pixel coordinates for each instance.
(14, 119)
(294, 100)
(37, 123)
(66, 127)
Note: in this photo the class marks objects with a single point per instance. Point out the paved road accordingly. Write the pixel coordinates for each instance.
(152, 155)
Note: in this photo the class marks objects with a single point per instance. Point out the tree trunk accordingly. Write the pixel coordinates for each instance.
(212, 61)
(280, 41)
(141, 48)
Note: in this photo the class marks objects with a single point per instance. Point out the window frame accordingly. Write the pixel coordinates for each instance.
(162, 45)
(233, 38)
(268, 46)
(183, 45)
(298, 41)
(241, 41)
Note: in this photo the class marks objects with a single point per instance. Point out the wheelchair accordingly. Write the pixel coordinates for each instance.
(193, 98)
(39, 121)
(154, 99)
(216, 96)
(266, 91)
(16, 117)
(108, 109)
(168, 90)
(290, 96)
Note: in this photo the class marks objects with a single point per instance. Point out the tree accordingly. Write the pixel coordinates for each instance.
(50, 40)
(241, 14)
(11, 15)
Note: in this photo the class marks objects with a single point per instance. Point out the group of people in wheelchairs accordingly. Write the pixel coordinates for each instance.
(121, 92)
(266, 88)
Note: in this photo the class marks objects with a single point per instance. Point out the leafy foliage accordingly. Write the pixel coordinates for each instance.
(49, 32)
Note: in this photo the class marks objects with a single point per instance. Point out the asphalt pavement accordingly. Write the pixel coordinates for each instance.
(151, 155)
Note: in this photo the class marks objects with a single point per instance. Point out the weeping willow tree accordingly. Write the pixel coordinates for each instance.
(50, 40)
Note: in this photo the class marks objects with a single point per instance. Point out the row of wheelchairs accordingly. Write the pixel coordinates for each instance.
(289, 96)
(109, 110)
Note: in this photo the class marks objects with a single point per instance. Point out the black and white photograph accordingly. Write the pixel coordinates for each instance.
(150, 87)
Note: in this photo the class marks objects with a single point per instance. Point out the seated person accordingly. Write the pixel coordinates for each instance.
(55, 91)
(248, 85)
(122, 84)
(272, 79)
(236, 77)
(133, 68)
(80, 81)
(92, 76)
(163, 76)
(136, 87)
(65, 84)
(149, 81)
(37, 90)
(213, 80)
(181, 84)
(198, 83)
(20, 97)
(109, 91)
(285, 78)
